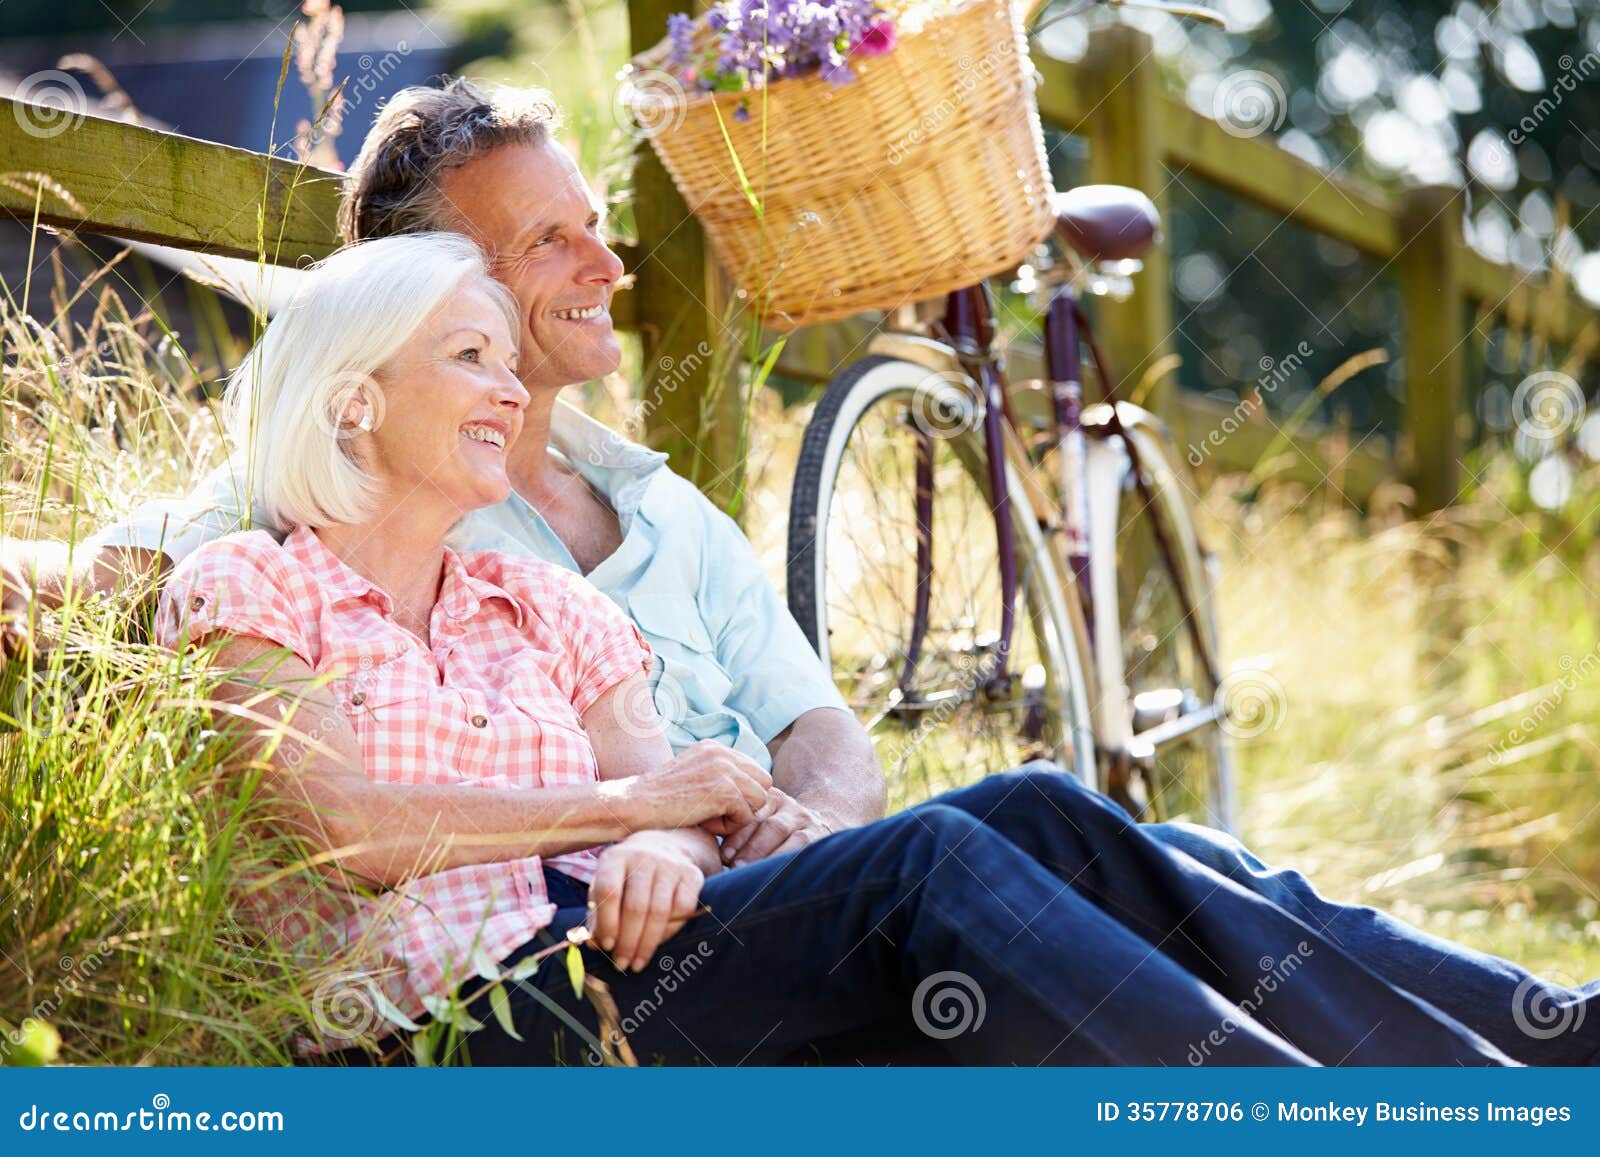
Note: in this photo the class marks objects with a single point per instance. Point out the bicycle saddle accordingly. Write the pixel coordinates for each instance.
(1106, 222)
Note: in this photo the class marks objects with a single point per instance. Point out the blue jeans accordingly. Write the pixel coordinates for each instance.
(1012, 922)
(1531, 1020)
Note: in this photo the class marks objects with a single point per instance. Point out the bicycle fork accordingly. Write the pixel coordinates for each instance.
(1130, 732)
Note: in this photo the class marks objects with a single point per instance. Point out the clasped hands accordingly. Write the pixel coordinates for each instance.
(647, 885)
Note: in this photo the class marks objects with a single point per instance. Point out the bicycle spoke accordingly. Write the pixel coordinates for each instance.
(950, 726)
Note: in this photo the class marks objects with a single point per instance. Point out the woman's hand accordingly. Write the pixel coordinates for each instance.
(645, 889)
(707, 784)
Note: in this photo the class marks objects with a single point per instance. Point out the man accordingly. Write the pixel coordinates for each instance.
(1148, 926)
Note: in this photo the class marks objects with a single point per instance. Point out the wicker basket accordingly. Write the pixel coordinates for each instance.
(925, 174)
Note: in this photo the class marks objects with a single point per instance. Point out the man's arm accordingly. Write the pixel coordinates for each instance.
(825, 760)
(135, 554)
(36, 574)
(106, 570)
(823, 765)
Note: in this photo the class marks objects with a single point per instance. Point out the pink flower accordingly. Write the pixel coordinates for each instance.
(878, 40)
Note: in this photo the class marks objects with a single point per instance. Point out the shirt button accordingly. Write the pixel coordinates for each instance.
(358, 698)
(197, 603)
(480, 721)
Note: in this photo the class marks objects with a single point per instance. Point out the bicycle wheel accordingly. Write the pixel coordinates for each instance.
(919, 661)
(1147, 616)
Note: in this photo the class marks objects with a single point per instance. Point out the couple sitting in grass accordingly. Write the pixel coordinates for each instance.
(474, 600)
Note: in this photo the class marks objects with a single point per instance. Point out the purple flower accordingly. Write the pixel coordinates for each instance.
(680, 31)
(754, 41)
(836, 72)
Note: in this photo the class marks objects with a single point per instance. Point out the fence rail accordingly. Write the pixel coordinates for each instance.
(140, 183)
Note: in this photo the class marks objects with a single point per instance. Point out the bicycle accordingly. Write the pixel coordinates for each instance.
(1111, 668)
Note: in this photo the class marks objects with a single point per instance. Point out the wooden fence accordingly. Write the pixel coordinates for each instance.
(126, 181)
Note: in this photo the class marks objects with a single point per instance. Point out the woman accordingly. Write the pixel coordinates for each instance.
(481, 669)
(508, 766)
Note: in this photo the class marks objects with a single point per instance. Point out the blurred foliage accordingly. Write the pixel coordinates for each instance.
(1430, 748)
(1390, 94)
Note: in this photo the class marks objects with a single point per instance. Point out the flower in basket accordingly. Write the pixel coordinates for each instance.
(742, 45)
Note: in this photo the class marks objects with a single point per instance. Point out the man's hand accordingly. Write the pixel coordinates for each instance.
(16, 606)
(645, 889)
(783, 825)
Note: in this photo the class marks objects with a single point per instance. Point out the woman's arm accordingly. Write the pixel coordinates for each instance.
(647, 886)
(390, 833)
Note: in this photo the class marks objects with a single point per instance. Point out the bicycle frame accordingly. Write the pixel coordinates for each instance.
(968, 329)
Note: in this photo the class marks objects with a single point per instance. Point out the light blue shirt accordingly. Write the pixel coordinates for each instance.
(730, 662)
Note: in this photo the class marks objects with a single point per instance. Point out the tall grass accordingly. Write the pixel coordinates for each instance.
(120, 836)
(1430, 743)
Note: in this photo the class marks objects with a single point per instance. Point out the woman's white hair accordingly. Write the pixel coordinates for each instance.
(289, 403)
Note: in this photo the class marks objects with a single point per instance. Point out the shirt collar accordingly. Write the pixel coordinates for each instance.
(461, 592)
(617, 467)
(335, 577)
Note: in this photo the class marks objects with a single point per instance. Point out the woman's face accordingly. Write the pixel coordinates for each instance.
(448, 405)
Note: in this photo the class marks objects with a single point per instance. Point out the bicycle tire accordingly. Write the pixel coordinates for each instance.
(878, 381)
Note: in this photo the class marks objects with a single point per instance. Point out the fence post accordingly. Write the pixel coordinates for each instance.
(1430, 269)
(679, 296)
(1125, 148)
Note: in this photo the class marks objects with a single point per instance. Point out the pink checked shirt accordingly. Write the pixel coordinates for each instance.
(519, 651)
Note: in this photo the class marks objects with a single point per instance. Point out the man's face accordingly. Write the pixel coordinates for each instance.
(535, 216)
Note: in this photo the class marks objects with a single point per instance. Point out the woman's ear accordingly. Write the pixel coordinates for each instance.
(355, 405)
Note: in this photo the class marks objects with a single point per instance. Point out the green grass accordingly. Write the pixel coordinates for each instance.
(120, 837)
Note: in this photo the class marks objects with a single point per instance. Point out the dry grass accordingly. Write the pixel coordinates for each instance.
(1433, 747)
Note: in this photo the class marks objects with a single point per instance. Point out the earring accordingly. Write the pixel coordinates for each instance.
(365, 423)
